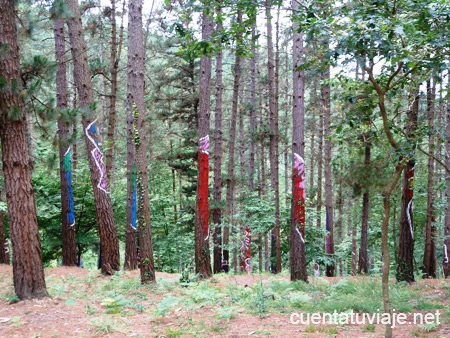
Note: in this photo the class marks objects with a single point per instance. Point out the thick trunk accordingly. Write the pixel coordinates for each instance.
(110, 261)
(69, 246)
(298, 216)
(217, 211)
(135, 102)
(28, 271)
(429, 257)
(273, 149)
(202, 255)
(405, 257)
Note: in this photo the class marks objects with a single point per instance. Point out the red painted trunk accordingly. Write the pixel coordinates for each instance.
(203, 167)
(299, 193)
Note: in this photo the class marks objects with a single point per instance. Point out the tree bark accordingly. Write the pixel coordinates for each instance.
(274, 139)
(405, 260)
(4, 246)
(385, 245)
(446, 255)
(69, 246)
(251, 155)
(110, 260)
(363, 263)
(28, 270)
(135, 102)
(202, 255)
(217, 211)
(326, 111)
(298, 215)
(429, 257)
(231, 180)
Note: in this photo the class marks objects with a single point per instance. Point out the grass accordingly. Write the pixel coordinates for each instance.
(206, 307)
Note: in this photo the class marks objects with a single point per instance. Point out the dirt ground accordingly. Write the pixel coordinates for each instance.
(61, 316)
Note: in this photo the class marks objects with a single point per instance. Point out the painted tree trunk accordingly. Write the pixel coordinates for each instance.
(429, 257)
(217, 211)
(135, 99)
(405, 257)
(28, 270)
(110, 260)
(69, 246)
(202, 255)
(298, 215)
(274, 138)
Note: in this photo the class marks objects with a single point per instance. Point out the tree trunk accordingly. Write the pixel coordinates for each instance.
(217, 211)
(326, 111)
(429, 257)
(446, 255)
(114, 70)
(273, 149)
(69, 246)
(363, 263)
(231, 180)
(135, 102)
(110, 261)
(4, 246)
(298, 216)
(251, 155)
(28, 271)
(405, 263)
(385, 245)
(319, 167)
(202, 256)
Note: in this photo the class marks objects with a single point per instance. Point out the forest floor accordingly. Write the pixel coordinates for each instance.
(84, 303)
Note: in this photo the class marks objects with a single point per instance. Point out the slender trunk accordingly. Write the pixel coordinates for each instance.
(28, 270)
(231, 180)
(4, 246)
(217, 211)
(352, 226)
(429, 257)
(110, 260)
(251, 155)
(385, 245)
(326, 111)
(273, 149)
(202, 255)
(319, 169)
(405, 263)
(446, 254)
(363, 263)
(69, 246)
(113, 69)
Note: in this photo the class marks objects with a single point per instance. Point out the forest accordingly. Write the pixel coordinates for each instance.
(307, 138)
